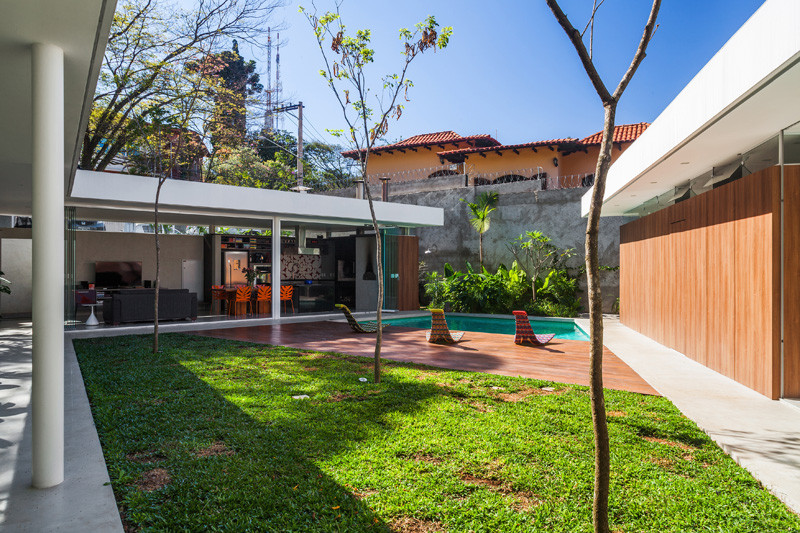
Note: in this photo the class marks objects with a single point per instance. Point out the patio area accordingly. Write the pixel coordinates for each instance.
(564, 361)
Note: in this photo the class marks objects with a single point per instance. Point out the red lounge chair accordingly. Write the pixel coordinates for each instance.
(439, 331)
(525, 332)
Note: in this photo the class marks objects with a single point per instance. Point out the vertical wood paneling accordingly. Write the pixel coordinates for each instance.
(791, 243)
(408, 270)
(700, 277)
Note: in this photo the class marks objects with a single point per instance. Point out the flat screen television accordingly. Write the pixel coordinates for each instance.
(111, 274)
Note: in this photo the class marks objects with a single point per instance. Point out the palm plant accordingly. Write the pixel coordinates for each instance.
(486, 203)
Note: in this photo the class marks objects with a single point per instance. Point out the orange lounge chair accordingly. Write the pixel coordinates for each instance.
(439, 331)
(525, 331)
(369, 326)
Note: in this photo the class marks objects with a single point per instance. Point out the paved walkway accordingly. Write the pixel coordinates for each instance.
(561, 360)
(762, 435)
(84, 501)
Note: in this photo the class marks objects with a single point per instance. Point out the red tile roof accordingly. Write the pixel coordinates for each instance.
(624, 133)
(458, 155)
(429, 139)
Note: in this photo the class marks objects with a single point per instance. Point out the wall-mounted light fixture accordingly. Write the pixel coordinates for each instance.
(555, 162)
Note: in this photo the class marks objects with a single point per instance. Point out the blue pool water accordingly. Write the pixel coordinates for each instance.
(503, 325)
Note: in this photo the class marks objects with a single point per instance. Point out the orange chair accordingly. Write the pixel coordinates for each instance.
(242, 299)
(264, 299)
(287, 292)
(218, 295)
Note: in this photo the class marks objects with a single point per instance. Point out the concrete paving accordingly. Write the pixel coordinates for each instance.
(762, 435)
(84, 501)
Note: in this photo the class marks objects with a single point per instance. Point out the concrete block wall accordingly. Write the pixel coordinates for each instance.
(522, 207)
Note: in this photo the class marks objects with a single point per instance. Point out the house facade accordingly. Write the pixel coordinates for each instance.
(558, 163)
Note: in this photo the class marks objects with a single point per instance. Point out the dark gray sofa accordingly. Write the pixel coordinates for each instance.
(136, 305)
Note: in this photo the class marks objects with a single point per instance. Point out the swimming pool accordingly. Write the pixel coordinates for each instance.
(566, 330)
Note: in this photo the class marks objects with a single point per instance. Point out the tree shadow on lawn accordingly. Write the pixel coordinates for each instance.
(181, 455)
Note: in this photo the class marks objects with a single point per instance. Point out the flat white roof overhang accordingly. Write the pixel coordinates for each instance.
(746, 94)
(80, 29)
(129, 198)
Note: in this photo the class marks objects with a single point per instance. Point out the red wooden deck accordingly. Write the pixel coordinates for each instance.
(561, 360)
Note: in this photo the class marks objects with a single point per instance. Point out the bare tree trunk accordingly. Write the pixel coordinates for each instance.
(158, 268)
(480, 248)
(602, 459)
(602, 463)
(379, 249)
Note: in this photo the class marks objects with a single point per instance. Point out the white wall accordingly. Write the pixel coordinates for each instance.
(91, 246)
(15, 261)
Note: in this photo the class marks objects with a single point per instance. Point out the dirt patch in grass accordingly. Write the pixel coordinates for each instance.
(672, 443)
(480, 406)
(311, 368)
(422, 457)
(342, 396)
(145, 457)
(407, 524)
(516, 396)
(154, 479)
(218, 448)
(364, 493)
(522, 500)
(616, 413)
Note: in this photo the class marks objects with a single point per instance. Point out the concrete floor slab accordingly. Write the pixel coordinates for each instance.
(762, 435)
(84, 501)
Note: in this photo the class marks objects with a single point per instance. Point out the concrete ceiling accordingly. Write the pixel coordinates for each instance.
(129, 198)
(80, 29)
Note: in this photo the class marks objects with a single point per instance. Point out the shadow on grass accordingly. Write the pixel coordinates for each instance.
(182, 456)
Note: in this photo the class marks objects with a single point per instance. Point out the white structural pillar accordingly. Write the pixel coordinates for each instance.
(276, 268)
(47, 398)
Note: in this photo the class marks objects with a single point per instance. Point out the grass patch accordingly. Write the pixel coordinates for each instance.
(206, 436)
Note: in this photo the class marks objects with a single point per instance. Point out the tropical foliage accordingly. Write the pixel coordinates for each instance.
(557, 292)
(480, 220)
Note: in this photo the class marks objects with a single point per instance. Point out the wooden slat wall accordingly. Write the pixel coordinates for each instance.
(408, 269)
(791, 280)
(702, 277)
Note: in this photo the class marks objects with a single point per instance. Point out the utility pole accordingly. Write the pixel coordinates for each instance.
(300, 187)
(299, 145)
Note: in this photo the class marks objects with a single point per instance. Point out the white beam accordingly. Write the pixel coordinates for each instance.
(47, 397)
(276, 268)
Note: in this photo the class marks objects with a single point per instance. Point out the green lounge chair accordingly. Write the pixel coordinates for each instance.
(369, 326)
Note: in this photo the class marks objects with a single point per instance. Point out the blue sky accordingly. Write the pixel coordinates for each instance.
(509, 70)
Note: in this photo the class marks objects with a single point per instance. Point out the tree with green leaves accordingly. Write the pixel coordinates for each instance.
(609, 100)
(480, 220)
(150, 44)
(237, 80)
(346, 76)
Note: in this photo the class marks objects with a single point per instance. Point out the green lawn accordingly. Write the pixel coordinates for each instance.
(206, 436)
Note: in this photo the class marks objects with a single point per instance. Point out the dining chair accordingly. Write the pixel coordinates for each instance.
(264, 299)
(287, 293)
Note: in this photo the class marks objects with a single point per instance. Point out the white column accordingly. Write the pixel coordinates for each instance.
(276, 268)
(47, 398)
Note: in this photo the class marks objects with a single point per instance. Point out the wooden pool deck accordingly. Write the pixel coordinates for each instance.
(564, 361)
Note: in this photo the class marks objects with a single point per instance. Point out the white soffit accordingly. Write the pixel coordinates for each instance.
(80, 29)
(744, 95)
(126, 197)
